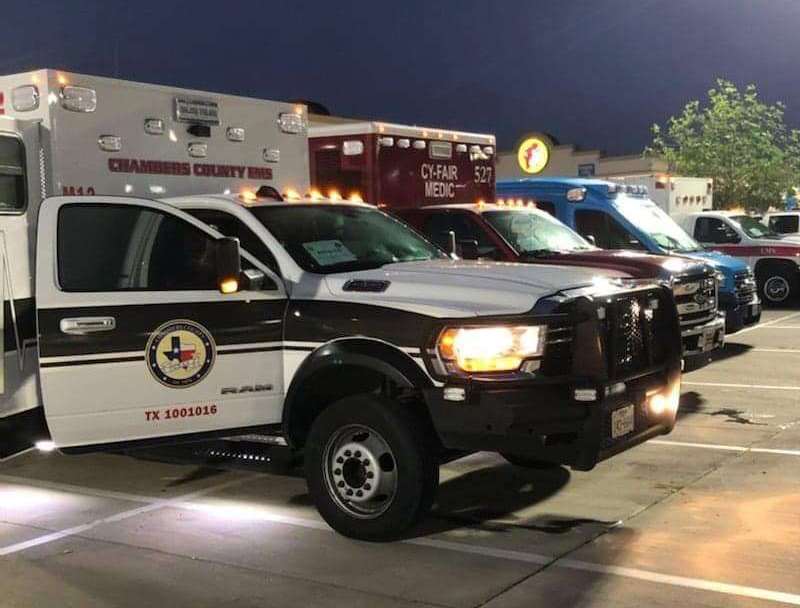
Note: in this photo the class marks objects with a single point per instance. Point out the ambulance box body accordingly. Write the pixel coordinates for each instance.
(676, 195)
(70, 134)
(402, 166)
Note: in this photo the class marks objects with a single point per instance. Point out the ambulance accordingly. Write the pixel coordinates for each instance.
(140, 311)
(675, 194)
(395, 165)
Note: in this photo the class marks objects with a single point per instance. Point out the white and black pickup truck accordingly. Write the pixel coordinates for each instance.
(338, 327)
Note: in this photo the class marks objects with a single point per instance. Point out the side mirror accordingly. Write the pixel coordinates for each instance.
(591, 239)
(229, 264)
(253, 279)
(468, 250)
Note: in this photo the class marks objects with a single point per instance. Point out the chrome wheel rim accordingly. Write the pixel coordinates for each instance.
(776, 289)
(360, 471)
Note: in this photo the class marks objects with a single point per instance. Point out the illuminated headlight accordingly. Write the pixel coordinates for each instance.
(290, 122)
(491, 348)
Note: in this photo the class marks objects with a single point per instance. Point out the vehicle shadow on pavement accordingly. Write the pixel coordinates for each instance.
(481, 497)
(731, 350)
(691, 403)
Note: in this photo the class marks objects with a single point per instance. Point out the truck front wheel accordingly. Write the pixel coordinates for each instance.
(777, 285)
(371, 467)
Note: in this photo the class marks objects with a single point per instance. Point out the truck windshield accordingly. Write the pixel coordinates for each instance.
(327, 239)
(529, 232)
(12, 174)
(650, 219)
(753, 228)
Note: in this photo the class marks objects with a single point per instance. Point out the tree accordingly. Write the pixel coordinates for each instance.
(736, 139)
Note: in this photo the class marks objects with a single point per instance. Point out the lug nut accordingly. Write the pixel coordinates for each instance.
(340, 460)
(358, 454)
(348, 453)
(370, 474)
(337, 471)
(367, 487)
(340, 484)
(349, 492)
(359, 493)
(366, 462)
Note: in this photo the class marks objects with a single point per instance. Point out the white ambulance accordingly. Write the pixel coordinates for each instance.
(335, 328)
(675, 194)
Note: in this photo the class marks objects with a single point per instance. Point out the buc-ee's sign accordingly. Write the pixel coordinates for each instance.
(533, 154)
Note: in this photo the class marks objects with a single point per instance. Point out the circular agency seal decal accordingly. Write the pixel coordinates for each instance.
(180, 353)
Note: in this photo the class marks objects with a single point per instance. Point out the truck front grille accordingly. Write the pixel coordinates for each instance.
(745, 286)
(637, 332)
(558, 351)
(696, 298)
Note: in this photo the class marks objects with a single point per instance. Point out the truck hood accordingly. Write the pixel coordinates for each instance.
(634, 264)
(460, 288)
(720, 261)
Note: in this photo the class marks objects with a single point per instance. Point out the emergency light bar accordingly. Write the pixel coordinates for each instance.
(78, 99)
(636, 190)
(154, 126)
(235, 134)
(292, 123)
(25, 98)
(576, 195)
(197, 111)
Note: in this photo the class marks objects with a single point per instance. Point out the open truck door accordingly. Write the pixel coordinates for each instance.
(137, 342)
(21, 420)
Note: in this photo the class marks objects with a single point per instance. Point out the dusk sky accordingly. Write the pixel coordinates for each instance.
(592, 73)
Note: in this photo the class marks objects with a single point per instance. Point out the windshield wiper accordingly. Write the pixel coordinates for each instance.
(539, 253)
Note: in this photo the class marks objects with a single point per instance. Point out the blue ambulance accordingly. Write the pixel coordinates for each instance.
(619, 216)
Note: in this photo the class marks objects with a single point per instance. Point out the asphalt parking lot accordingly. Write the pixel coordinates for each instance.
(707, 516)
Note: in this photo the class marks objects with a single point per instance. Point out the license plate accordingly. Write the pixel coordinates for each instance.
(708, 339)
(621, 421)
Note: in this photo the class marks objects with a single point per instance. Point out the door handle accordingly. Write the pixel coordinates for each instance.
(87, 325)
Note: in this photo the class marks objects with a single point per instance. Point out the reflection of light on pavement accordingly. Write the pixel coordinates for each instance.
(239, 511)
(757, 530)
(20, 500)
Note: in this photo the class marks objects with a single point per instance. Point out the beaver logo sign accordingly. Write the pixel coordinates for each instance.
(533, 154)
(180, 353)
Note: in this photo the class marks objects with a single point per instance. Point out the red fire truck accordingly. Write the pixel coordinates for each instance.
(400, 166)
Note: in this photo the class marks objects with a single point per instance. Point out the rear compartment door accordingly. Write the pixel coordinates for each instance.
(136, 343)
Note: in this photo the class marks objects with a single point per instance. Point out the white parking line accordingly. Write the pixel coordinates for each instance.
(725, 448)
(767, 324)
(684, 581)
(775, 350)
(775, 387)
(780, 327)
(75, 530)
(259, 514)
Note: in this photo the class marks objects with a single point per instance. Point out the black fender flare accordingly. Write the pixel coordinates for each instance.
(376, 355)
